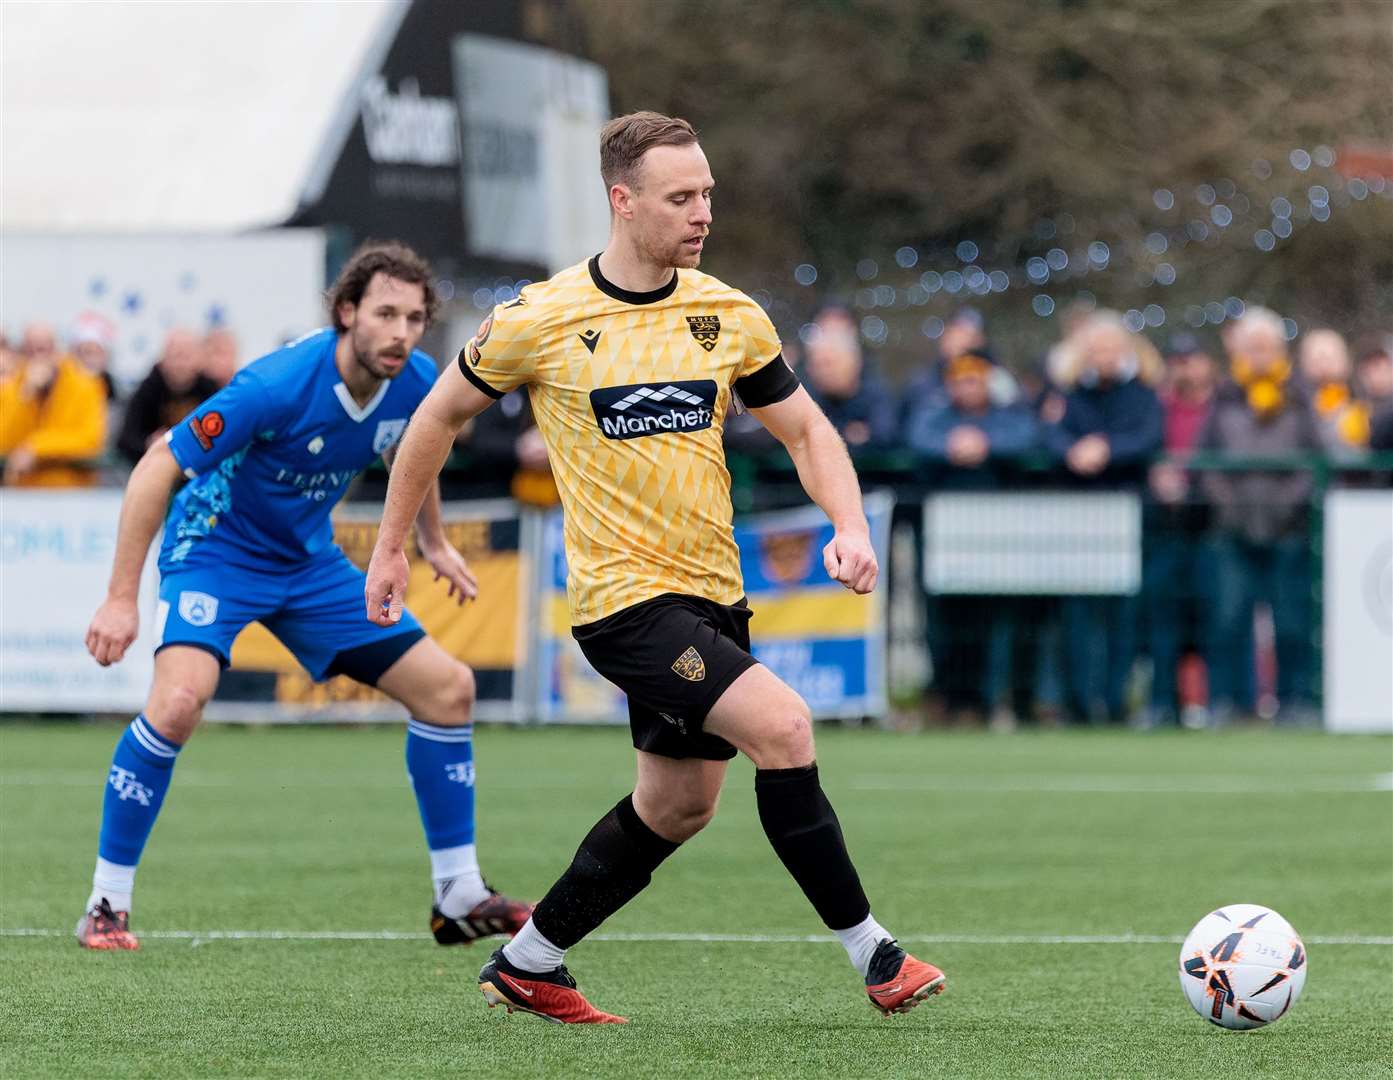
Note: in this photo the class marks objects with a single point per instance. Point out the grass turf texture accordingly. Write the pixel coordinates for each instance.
(1055, 834)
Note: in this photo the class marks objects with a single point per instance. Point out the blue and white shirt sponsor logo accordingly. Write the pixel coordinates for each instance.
(198, 608)
(387, 434)
(663, 408)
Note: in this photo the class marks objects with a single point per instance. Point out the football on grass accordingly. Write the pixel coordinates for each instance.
(1242, 966)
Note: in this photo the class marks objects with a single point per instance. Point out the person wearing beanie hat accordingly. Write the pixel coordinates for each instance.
(969, 442)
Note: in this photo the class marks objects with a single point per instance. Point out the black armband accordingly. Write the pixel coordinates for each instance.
(767, 386)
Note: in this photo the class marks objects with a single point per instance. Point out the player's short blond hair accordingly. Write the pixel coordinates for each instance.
(625, 139)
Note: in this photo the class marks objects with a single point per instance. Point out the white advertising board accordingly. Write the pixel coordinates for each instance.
(529, 124)
(1048, 543)
(55, 560)
(1358, 635)
(265, 287)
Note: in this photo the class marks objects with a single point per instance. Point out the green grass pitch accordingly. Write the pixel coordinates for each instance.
(964, 842)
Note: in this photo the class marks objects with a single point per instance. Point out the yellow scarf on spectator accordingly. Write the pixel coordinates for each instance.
(1266, 392)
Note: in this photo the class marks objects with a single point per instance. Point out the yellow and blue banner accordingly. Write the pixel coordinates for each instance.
(823, 640)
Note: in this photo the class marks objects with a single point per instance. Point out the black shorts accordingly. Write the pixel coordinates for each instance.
(674, 656)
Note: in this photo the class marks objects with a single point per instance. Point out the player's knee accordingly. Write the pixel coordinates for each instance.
(683, 817)
(456, 697)
(788, 738)
(174, 711)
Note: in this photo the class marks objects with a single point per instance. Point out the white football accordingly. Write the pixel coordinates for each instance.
(1242, 966)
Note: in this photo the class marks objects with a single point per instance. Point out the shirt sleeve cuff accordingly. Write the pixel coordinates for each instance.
(479, 383)
(169, 441)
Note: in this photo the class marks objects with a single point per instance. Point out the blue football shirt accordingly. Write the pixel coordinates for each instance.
(272, 453)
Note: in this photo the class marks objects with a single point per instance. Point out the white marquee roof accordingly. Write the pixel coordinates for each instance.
(208, 116)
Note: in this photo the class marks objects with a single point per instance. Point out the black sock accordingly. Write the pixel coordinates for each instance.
(613, 864)
(805, 833)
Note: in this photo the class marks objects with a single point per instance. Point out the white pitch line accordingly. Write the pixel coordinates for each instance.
(1086, 784)
(748, 939)
(1044, 784)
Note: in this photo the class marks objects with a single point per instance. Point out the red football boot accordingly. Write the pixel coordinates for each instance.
(496, 914)
(896, 982)
(552, 995)
(102, 928)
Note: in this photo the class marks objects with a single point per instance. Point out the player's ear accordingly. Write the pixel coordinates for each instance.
(347, 313)
(621, 200)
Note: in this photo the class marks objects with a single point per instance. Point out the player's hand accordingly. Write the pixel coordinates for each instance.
(850, 559)
(385, 592)
(449, 564)
(113, 628)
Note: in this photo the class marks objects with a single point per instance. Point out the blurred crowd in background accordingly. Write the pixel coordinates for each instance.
(62, 415)
(1225, 620)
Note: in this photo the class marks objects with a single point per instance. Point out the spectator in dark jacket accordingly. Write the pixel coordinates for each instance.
(1373, 376)
(1177, 549)
(1113, 424)
(855, 399)
(1110, 431)
(967, 434)
(174, 387)
(968, 440)
(1262, 547)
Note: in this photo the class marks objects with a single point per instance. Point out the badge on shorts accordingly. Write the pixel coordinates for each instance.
(198, 608)
(690, 665)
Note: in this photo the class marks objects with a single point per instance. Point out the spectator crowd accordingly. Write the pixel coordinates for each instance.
(62, 412)
(1224, 619)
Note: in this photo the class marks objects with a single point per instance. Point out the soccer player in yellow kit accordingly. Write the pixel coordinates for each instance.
(633, 360)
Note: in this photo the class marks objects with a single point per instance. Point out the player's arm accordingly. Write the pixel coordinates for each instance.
(435, 547)
(444, 558)
(218, 428)
(452, 402)
(117, 621)
(827, 475)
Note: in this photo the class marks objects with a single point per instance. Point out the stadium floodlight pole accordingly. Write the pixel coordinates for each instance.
(451, 403)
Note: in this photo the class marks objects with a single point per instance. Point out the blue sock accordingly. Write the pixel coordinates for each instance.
(140, 773)
(440, 762)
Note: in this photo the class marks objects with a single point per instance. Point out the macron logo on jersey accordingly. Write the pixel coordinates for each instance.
(630, 412)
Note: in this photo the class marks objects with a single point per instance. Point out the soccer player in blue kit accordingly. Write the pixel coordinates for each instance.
(248, 538)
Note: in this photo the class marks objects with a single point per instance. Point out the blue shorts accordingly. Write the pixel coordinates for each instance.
(315, 608)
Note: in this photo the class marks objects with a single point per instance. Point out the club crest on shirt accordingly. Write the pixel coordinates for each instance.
(690, 665)
(198, 608)
(388, 432)
(706, 329)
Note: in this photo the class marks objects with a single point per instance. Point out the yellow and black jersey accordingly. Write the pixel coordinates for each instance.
(630, 392)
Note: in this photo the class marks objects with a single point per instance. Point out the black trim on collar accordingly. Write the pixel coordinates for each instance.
(610, 289)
